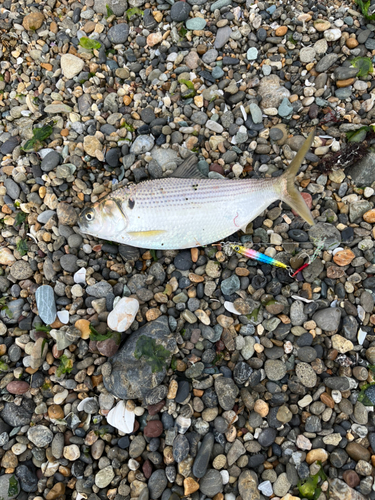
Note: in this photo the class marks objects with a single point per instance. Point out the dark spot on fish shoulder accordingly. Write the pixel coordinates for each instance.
(195, 187)
(131, 203)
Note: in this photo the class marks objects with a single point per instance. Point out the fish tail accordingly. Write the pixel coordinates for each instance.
(287, 190)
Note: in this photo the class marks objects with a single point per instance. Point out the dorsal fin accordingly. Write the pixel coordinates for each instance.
(188, 169)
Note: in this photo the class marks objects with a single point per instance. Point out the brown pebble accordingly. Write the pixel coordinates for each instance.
(153, 314)
(190, 486)
(147, 469)
(281, 30)
(195, 278)
(154, 428)
(18, 387)
(343, 257)
(327, 400)
(66, 214)
(201, 49)
(55, 412)
(345, 83)
(351, 478)
(9, 460)
(335, 272)
(369, 216)
(33, 21)
(194, 254)
(357, 452)
(154, 409)
(351, 43)
(56, 491)
(53, 27)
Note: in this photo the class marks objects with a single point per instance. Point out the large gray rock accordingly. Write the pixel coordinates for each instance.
(132, 378)
(324, 233)
(363, 172)
(17, 415)
(9, 486)
(328, 319)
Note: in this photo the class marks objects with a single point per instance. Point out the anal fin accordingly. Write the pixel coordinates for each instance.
(145, 234)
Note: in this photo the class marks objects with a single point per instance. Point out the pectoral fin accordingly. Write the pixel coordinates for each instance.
(145, 234)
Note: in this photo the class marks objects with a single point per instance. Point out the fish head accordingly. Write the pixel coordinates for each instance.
(104, 219)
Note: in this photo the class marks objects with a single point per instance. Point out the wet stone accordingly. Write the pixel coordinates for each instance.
(275, 369)
(118, 33)
(157, 484)
(211, 483)
(226, 391)
(50, 161)
(180, 11)
(181, 448)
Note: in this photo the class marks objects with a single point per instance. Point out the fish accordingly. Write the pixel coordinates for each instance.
(188, 210)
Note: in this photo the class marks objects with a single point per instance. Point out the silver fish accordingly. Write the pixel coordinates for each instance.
(187, 210)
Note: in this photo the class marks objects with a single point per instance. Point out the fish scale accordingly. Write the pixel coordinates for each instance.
(194, 212)
(186, 210)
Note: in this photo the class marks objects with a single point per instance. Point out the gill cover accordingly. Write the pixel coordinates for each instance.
(105, 219)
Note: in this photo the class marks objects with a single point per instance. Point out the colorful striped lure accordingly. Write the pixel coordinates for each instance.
(260, 257)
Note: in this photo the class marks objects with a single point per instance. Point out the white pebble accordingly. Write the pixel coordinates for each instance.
(360, 85)
(336, 396)
(276, 239)
(80, 275)
(60, 397)
(302, 403)
(63, 317)
(121, 418)
(77, 291)
(270, 251)
(18, 448)
(237, 169)
(361, 335)
(266, 488)
(133, 464)
(225, 476)
(123, 314)
(332, 35)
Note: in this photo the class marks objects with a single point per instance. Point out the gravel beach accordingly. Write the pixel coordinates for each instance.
(225, 378)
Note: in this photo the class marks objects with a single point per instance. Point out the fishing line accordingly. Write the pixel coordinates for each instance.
(265, 259)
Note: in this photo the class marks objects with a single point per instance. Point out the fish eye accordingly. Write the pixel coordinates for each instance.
(90, 216)
(236, 248)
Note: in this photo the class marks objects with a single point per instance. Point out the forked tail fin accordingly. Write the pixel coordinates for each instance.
(286, 188)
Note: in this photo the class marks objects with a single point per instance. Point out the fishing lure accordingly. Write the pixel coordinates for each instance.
(260, 257)
(265, 259)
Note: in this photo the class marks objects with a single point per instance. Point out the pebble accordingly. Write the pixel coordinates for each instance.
(122, 316)
(118, 33)
(180, 11)
(71, 65)
(211, 483)
(40, 435)
(45, 301)
(196, 24)
(222, 36)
